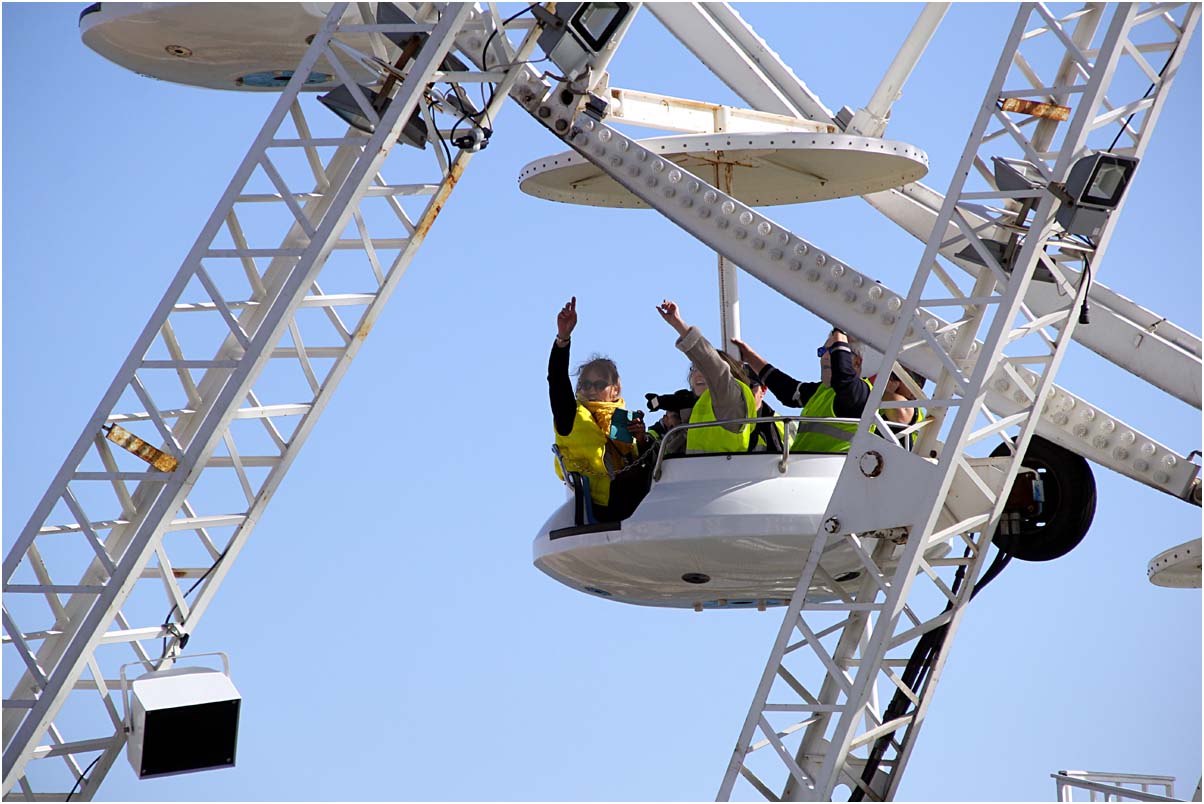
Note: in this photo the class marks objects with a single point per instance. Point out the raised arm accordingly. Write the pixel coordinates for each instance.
(727, 398)
(560, 387)
(851, 392)
(749, 356)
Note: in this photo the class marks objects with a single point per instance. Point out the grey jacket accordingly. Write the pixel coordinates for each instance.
(727, 398)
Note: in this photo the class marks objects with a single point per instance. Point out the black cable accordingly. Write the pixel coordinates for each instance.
(485, 52)
(480, 119)
(915, 674)
(82, 776)
(1128, 119)
(447, 151)
(167, 624)
(1085, 309)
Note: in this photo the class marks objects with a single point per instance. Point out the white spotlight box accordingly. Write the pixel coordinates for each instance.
(182, 720)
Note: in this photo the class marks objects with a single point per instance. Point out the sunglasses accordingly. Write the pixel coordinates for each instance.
(821, 351)
(597, 385)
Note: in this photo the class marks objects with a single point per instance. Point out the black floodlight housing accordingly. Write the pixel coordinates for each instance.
(342, 102)
(576, 34)
(1099, 181)
(1095, 186)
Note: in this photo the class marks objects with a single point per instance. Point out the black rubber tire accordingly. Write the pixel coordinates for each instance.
(1069, 503)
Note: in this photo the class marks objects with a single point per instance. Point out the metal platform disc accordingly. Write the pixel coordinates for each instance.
(1178, 567)
(766, 168)
(249, 47)
(716, 531)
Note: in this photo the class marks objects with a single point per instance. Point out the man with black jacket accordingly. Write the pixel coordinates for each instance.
(840, 393)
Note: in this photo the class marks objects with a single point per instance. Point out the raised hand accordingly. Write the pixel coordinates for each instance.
(566, 319)
(749, 356)
(669, 311)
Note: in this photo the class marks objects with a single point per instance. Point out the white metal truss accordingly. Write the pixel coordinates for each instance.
(1114, 786)
(838, 293)
(229, 376)
(823, 719)
(988, 385)
(1134, 338)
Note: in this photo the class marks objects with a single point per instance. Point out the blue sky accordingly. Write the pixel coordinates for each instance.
(388, 632)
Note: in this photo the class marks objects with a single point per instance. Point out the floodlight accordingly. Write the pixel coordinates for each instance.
(1016, 174)
(1094, 187)
(181, 720)
(581, 36)
(1099, 181)
(342, 102)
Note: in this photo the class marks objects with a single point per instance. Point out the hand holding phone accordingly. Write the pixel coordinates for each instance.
(618, 426)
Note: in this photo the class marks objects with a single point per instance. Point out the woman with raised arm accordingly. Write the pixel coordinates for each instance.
(722, 388)
(582, 423)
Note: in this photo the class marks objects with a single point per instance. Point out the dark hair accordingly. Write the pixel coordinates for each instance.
(600, 364)
(741, 371)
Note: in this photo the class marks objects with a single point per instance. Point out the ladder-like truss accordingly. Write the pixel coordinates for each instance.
(229, 376)
(273, 301)
(821, 720)
(1139, 340)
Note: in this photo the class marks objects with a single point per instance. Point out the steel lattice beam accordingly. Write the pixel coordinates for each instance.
(191, 384)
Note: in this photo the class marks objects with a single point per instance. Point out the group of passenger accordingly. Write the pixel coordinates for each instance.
(721, 389)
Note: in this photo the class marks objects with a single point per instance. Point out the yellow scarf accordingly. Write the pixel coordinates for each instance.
(602, 413)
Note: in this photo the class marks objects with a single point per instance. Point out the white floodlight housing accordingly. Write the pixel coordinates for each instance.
(181, 720)
(583, 36)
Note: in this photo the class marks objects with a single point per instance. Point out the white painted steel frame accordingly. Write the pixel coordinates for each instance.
(251, 331)
(937, 348)
(910, 491)
(1112, 786)
(835, 291)
(1138, 340)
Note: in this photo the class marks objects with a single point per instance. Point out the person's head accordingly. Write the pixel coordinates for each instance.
(698, 383)
(825, 357)
(754, 382)
(896, 386)
(598, 380)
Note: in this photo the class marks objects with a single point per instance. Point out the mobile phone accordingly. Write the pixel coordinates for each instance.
(618, 426)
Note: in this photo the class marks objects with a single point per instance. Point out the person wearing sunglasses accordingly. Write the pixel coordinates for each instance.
(582, 422)
(721, 386)
(840, 392)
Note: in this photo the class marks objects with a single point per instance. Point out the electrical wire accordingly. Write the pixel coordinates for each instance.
(1085, 309)
(1124, 126)
(485, 55)
(919, 665)
(82, 777)
(430, 107)
(175, 606)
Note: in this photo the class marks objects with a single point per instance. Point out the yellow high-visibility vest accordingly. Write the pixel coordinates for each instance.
(583, 450)
(823, 404)
(719, 439)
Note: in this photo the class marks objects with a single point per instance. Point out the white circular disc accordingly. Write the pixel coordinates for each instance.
(735, 523)
(1178, 567)
(766, 168)
(239, 46)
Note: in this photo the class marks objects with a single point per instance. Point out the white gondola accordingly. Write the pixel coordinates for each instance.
(715, 531)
